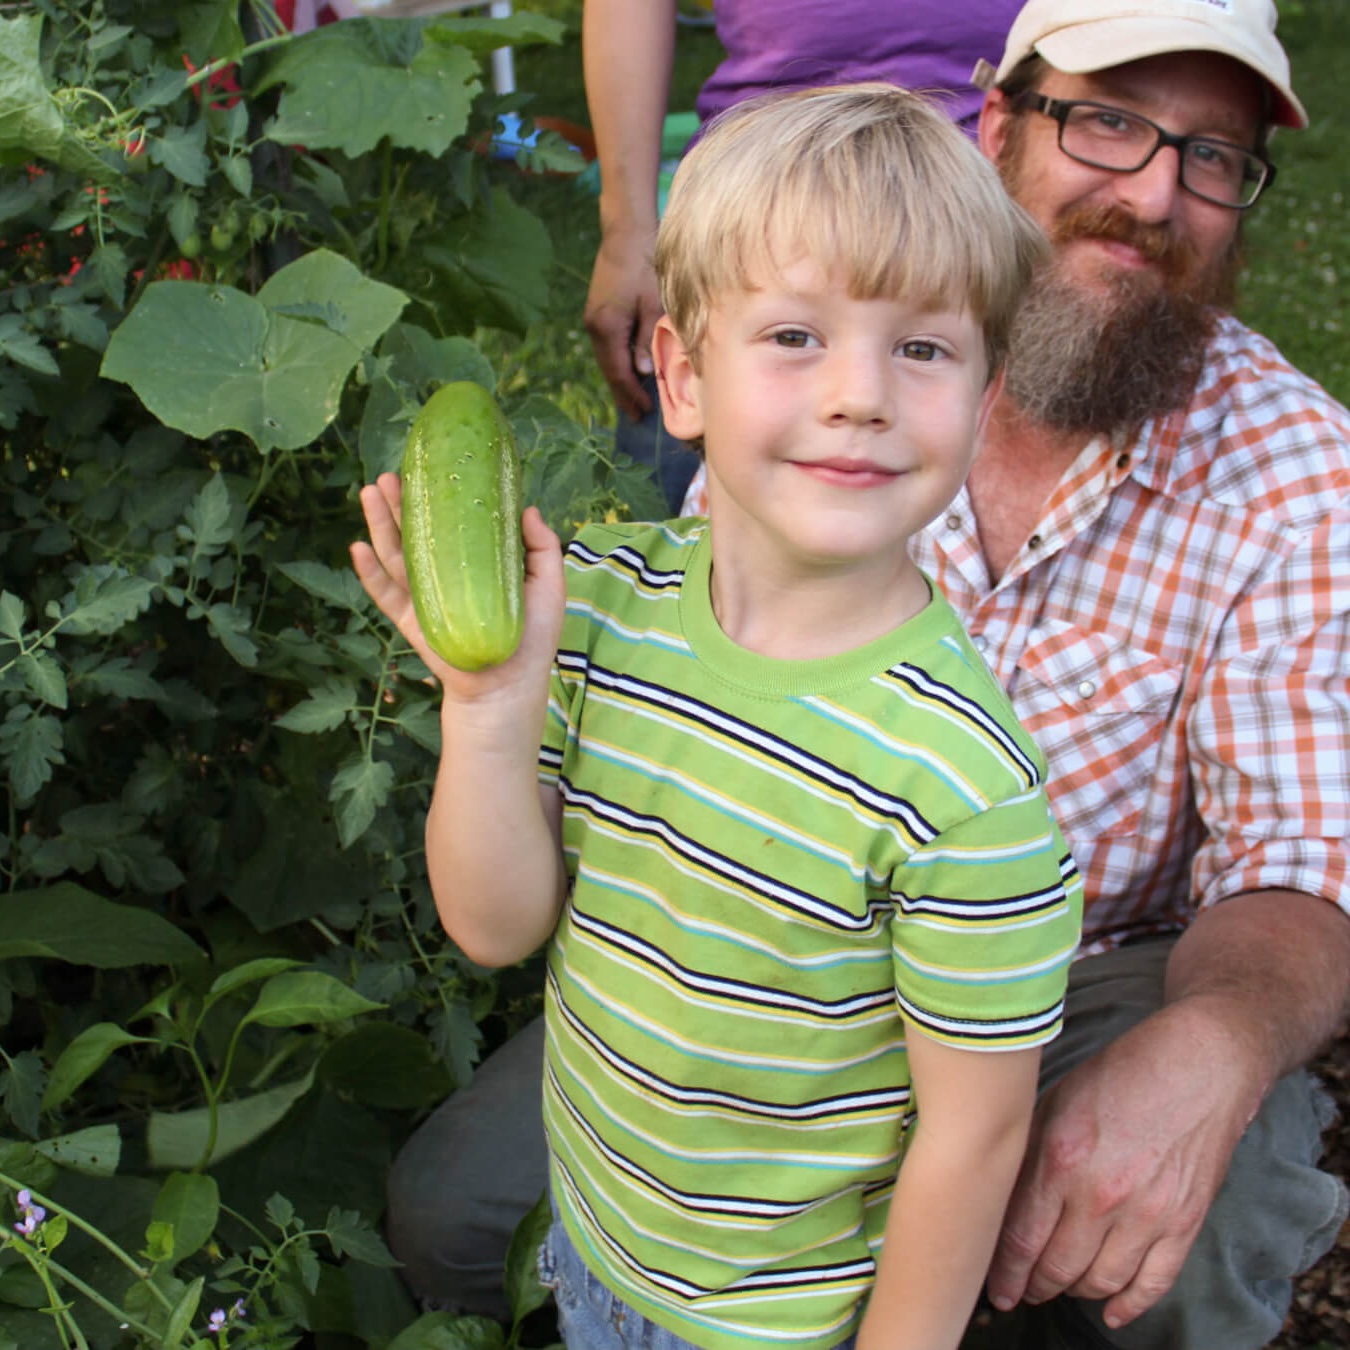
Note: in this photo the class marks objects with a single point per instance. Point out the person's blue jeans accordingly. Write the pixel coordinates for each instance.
(592, 1318)
(671, 461)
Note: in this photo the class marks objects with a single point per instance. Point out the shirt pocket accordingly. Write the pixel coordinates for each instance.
(1100, 710)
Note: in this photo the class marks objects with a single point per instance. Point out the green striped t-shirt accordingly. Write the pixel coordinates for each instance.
(772, 863)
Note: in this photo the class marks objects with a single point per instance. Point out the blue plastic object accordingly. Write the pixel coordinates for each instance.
(509, 138)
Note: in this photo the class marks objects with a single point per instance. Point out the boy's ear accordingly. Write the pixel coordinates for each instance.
(678, 381)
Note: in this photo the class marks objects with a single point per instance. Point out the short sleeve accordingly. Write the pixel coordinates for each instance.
(986, 922)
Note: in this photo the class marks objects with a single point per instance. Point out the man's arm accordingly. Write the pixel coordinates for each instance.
(974, 1111)
(628, 47)
(1128, 1151)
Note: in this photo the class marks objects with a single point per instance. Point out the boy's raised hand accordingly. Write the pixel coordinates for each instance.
(379, 567)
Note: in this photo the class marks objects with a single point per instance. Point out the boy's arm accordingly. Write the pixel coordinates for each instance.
(494, 854)
(974, 1113)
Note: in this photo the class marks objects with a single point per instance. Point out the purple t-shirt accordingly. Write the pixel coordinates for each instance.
(921, 44)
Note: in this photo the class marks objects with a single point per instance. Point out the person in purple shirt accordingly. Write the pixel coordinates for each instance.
(628, 49)
(920, 44)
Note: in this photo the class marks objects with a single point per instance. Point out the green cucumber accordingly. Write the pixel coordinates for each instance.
(461, 527)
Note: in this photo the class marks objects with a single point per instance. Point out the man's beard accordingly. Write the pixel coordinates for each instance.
(1106, 360)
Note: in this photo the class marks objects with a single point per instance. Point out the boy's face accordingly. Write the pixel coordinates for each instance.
(833, 428)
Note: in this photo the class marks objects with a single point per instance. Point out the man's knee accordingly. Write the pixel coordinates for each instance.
(466, 1178)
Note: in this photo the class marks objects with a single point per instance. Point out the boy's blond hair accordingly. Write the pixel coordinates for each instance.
(867, 178)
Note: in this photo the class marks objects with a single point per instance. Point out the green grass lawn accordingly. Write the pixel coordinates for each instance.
(1298, 237)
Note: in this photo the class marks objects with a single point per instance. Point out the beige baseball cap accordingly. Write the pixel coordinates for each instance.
(1080, 36)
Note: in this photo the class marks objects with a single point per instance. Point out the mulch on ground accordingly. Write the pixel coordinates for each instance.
(1320, 1317)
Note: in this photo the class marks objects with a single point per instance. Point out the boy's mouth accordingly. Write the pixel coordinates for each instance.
(840, 471)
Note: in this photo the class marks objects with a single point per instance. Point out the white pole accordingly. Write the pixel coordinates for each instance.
(503, 61)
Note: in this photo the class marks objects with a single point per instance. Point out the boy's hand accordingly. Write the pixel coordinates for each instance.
(379, 567)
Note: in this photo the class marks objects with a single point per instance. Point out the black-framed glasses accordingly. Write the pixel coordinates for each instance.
(1111, 138)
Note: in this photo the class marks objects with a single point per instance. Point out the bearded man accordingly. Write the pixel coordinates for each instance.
(1151, 555)
(1150, 551)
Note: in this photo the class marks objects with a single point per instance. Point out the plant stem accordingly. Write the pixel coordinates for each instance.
(89, 1230)
(151, 266)
(325, 931)
(253, 49)
(59, 1311)
(386, 200)
(97, 1299)
(212, 1096)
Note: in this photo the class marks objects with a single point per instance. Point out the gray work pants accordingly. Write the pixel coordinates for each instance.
(468, 1175)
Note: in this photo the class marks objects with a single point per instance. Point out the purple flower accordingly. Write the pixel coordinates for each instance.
(217, 1321)
(33, 1215)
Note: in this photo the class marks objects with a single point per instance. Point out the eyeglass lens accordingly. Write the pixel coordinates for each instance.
(1112, 139)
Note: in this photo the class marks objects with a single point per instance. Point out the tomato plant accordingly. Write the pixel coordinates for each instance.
(224, 992)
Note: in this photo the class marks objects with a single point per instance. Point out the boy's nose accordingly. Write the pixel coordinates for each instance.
(859, 390)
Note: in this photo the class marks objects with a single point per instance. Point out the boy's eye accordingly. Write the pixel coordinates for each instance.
(917, 349)
(792, 337)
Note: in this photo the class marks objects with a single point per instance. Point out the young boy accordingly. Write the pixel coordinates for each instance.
(790, 847)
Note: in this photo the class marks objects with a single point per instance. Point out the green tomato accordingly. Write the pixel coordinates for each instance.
(191, 247)
(222, 237)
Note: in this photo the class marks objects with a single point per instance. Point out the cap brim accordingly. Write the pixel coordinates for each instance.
(1113, 42)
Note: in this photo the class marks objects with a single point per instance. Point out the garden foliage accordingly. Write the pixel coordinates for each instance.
(237, 261)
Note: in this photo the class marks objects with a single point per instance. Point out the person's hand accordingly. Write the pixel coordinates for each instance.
(379, 567)
(1126, 1156)
(622, 308)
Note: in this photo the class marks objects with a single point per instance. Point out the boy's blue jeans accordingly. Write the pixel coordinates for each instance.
(589, 1316)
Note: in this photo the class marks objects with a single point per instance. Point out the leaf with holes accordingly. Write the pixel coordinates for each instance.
(348, 86)
(272, 366)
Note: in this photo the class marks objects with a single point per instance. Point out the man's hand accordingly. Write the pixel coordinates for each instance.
(1126, 1156)
(622, 308)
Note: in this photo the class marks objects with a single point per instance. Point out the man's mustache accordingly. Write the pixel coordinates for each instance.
(1176, 257)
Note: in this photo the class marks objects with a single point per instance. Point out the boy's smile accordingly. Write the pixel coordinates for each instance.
(834, 427)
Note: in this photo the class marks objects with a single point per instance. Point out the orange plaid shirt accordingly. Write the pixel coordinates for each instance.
(1176, 636)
